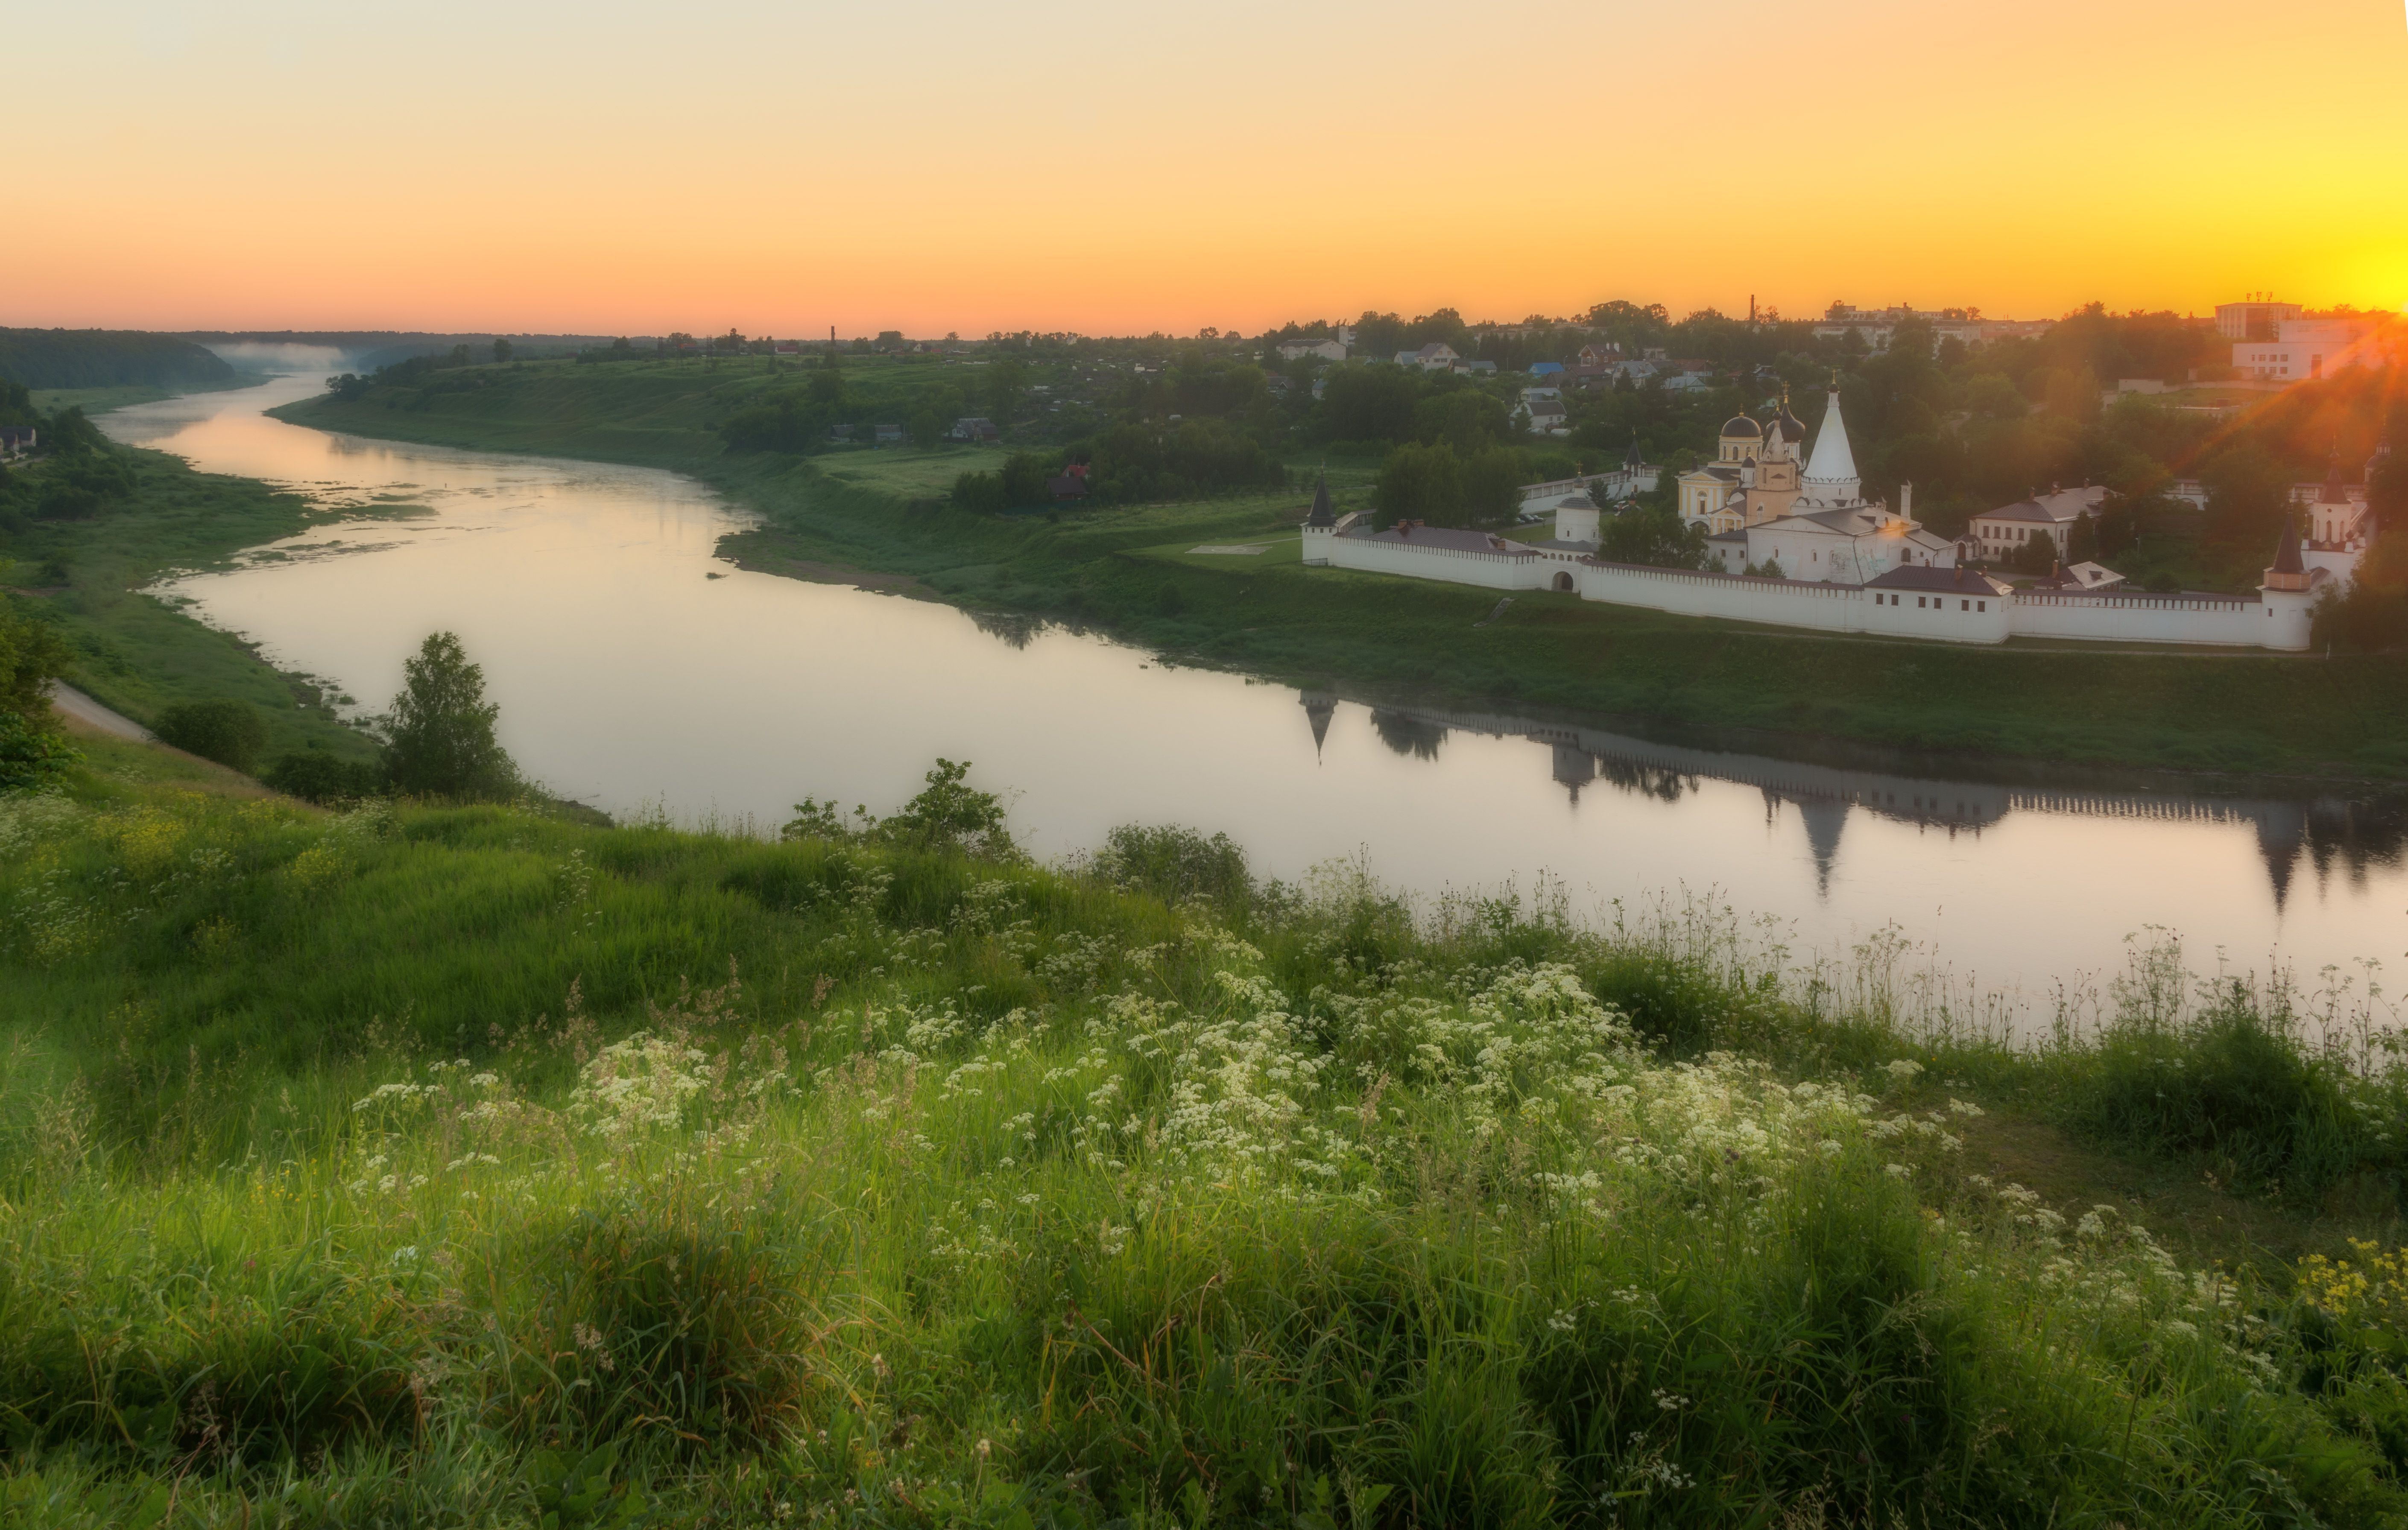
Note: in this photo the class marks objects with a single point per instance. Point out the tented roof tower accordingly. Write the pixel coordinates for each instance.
(1831, 480)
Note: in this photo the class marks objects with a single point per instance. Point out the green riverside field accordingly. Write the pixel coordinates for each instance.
(1129, 570)
(140, 656)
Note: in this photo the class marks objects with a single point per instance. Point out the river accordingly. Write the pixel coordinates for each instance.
(638, 672)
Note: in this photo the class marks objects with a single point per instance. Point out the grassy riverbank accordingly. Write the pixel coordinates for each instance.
(1130, 570)
(454, 1166)
(135, 653)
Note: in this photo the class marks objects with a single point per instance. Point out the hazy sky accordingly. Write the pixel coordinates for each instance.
(944, 164)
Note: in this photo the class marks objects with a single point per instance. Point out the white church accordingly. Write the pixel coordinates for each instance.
(1800, 546)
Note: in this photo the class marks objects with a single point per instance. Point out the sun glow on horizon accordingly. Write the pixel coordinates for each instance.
(932, 166)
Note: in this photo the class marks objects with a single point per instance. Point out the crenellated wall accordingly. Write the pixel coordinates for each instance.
(1489, 570)
(2276, 620)
(2211, 620)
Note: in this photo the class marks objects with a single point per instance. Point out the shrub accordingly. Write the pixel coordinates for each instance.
(1175, 864)
(2235, 1086)
(316, 776)
(31, 757)
(228, 731)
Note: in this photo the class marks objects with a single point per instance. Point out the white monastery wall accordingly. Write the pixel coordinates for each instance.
(2142, 619)
(2277, 620)
(1489, 570)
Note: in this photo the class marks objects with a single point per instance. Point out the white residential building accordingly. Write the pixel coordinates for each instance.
(1334, 351)
(2306, 348)
(1546, 417)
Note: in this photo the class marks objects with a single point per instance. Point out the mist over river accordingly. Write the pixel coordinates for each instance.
(634, 669)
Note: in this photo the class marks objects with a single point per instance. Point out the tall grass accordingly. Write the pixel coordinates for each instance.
(427, 1165)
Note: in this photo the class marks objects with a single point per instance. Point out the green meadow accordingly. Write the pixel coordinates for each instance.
(1128, 569)
(469, 1166)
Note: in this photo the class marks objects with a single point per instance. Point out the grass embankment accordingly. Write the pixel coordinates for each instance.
(1129, 568)
(433, 1165)
(137, 654)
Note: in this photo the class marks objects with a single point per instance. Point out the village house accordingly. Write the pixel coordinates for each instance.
(1999, 532)
(17, 440)
(1436, 356)
(973, 427)
(1306, 345)
(1546, 416)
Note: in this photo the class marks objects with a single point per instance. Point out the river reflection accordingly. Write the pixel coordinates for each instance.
(2354, 838)
(636, 669)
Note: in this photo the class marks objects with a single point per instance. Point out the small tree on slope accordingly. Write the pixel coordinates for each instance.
(439, 737)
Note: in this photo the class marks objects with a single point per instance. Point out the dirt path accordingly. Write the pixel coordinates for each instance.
(75, 704)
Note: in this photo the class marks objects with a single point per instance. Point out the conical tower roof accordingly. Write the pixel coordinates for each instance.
(2287, 554)
(1322, 514)
(2333, 493)
(1831, 473)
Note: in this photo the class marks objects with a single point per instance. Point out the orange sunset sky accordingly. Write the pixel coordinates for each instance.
(939, 164)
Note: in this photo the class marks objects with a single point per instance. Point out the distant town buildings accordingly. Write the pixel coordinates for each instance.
(2303, 349)
(2252, 320)
(1877, 327)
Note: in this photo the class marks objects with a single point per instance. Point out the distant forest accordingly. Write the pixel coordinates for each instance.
(104, 358)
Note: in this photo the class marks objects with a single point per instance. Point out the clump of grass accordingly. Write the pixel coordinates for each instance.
(2266, 1098)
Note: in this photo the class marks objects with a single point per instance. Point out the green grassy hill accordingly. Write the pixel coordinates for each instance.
(1128, 568)
(468, 1165)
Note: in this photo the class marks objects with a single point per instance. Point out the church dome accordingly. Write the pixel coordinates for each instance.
(1741, 426)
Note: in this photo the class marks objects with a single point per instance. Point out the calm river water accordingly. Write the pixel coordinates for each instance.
(629, 677)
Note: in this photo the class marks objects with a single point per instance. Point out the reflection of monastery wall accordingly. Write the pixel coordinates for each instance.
(2332, 833)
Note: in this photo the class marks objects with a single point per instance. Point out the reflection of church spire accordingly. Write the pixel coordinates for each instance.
(1575, 767)
(1824, 818)
(1319, 706)
(2281, 828)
